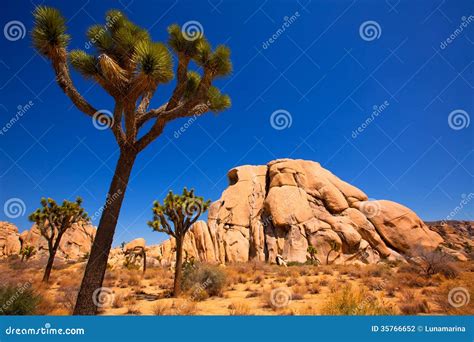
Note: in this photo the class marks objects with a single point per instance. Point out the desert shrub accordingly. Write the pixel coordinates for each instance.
(211, 279)
(259, 278)
(434, 262)
(298, 292)
(184, 307)
(449, 270)
(134, 280)
(239, 309)
(411, 305)
(355, 301)
(132, 309)
(314, 288)
(161, 309)
(18, 300)
(118, 301)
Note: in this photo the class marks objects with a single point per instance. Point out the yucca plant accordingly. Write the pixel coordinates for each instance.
(175, 217)
(130, 66)
(53, 220)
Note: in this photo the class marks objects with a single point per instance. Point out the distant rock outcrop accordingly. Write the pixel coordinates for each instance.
(75, 243)
(287, 205)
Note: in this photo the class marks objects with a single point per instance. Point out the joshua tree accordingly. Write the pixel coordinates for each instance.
(175, 217)
(27, 252)
(312, 253)
(53, 221)
(130, 67)
(334, 248)
(131, 256)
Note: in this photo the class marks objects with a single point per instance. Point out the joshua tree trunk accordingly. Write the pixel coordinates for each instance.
(97, 263)
(49, 265)
(178, 266)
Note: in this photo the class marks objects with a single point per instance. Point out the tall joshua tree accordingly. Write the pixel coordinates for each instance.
(53, 221)
(130, 67)
(175, 217)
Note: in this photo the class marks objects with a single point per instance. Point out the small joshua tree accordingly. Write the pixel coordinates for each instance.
(312, 254)
(175, 217)
(53, 221)
(334, 248)
(130, 67)
(27, 252)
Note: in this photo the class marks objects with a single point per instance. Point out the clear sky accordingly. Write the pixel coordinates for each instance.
(323, 71)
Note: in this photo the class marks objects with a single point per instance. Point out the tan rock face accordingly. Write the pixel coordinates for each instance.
(288, 205)
(9, 239)
(280, 208)
(75, 243)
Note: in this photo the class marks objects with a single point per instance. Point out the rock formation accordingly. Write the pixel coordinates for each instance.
(75, 243)
(280, 208)
(287, 205)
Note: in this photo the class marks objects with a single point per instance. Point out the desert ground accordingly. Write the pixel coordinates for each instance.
(255, 289)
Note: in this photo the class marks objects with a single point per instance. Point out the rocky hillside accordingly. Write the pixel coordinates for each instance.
(75, 244)
(282, 208)
(287, 205)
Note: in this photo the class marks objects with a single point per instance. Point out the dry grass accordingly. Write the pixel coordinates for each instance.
(161, 308)
(313, 290)
(356, 301)
(240, 309)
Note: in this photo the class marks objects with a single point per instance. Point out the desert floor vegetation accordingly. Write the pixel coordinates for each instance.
(244, 289)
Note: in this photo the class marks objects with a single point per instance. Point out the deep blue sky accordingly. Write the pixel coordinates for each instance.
(320, 70)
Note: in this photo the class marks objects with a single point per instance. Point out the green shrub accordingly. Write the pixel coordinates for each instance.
(18, 300)
(198, 278)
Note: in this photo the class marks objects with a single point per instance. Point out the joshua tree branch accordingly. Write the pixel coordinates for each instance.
(117, 125)
(64, 81)
(182, 111)
(182, 77)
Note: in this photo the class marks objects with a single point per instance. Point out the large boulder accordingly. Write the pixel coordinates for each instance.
(9, 239)
(282, 208)
(399, 226)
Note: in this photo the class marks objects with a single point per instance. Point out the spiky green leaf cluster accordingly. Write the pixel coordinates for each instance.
(182, 44)
(86, 64)
(49, 33)
(154, 61)
(59, 217)
(180, 210)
